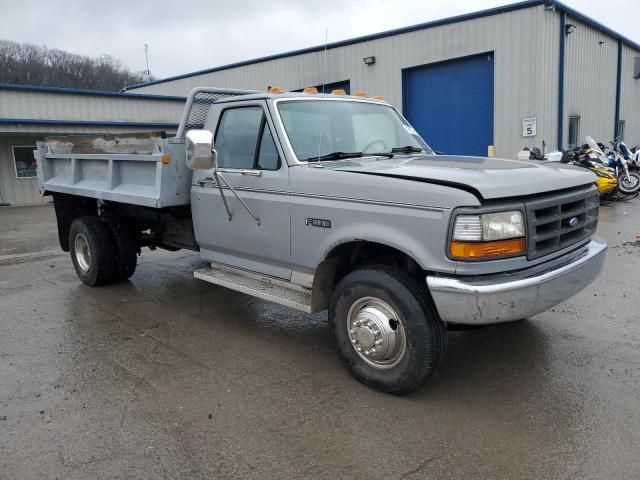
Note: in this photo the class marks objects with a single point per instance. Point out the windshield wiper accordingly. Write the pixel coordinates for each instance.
(334, 156)
(344, 155)
(406, 149)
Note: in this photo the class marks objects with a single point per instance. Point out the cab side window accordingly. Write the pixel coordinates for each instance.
(243, 140)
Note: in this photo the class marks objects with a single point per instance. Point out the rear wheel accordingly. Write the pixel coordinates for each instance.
(92, 251)
(387, 331)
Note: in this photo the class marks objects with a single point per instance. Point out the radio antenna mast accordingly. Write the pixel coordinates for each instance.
(147, 72)
(324, 70)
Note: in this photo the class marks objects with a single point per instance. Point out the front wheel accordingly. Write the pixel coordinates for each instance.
(629, 185)
(386, 329)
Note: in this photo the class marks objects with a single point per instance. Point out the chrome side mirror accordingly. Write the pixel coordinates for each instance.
(199, 150)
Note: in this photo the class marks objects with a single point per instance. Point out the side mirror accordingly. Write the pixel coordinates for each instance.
(199, 150)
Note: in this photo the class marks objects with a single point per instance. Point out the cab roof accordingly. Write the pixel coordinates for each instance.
(276, 96)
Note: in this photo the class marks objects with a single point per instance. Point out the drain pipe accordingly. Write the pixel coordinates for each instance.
(563, 27)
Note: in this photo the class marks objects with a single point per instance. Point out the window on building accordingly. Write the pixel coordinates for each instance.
(574, 131)
(24, 161)
(620, 130)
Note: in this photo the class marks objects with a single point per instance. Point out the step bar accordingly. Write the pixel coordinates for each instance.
(256, 285)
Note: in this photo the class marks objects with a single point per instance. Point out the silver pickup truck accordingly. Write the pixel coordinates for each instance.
(332, 202)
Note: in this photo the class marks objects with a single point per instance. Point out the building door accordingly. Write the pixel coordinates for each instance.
(451, 104)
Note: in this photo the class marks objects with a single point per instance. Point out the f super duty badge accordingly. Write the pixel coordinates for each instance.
(317, 222)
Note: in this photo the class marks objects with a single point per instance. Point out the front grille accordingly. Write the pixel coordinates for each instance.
(549, 221)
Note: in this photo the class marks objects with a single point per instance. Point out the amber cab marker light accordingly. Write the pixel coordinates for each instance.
(378, 97)
(276, 90)
(338, 91)
(166, 159)
(310, 90)
(486, 250)
(360, 94)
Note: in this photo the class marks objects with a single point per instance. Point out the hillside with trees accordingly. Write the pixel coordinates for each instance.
(28, 64)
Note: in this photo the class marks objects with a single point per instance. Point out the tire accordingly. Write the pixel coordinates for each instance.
(369, 296)
(126, 248)
(92, 251)
(631, 186)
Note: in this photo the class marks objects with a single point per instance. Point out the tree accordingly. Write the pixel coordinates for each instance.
(27, 64)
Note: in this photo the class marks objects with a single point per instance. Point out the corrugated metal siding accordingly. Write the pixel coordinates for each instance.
(590, 88)
(16, 191)
(524, 42)
(630, 97)
(62, 106)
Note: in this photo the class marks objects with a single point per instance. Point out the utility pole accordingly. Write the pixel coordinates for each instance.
(147, 72)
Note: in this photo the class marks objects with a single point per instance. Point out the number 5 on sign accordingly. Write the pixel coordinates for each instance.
(529, 127)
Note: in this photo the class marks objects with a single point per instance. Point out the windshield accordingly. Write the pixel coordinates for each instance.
(594, 146)
(318, 129)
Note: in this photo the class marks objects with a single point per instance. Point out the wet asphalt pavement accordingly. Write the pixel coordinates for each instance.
(169, 377)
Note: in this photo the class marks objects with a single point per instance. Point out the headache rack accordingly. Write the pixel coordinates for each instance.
(198, 103)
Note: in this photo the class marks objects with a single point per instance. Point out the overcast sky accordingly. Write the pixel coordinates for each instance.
(184, 36)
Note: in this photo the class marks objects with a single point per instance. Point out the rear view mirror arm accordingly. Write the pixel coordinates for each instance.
(220, 178)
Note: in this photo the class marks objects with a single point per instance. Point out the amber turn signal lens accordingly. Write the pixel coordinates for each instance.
(166, 159)
(486, 250)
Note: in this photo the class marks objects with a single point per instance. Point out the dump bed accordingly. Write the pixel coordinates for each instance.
(140, 169)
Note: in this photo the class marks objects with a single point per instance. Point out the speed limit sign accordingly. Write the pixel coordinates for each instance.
(529, 127)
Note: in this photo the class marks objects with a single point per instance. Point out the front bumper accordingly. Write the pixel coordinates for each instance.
(503, 297)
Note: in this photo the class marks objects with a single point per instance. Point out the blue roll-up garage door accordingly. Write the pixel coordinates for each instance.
(451, 104)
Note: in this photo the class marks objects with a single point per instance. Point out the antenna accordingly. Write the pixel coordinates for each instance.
(324, 78)
(324, 70)
(147, 72)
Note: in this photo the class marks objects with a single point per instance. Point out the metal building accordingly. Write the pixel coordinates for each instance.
(28, 114)
(519, 75)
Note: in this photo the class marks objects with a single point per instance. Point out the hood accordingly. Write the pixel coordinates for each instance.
(488, 178)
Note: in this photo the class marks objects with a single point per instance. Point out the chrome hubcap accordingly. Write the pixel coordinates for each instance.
(376, 332)
(83, 254)
(630, 182)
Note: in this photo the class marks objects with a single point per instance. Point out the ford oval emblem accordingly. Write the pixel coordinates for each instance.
(573, 222)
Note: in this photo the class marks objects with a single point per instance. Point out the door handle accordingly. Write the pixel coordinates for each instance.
(206, 181)
(243, 171)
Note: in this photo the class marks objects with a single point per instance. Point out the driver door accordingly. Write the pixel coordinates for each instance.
(250, 160)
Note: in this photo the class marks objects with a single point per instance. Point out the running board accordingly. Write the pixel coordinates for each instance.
(256, 285)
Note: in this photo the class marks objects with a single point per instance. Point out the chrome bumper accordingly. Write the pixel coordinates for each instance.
(504, 297)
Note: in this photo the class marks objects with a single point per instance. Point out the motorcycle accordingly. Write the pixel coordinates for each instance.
(619, 159)
(634, 161)
(591, 157)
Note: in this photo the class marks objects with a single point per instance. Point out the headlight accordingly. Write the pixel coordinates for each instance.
(489, 235)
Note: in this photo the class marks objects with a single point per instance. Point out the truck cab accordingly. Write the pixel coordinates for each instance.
(334, 202)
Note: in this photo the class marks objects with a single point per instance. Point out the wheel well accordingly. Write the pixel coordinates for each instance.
(348, 256)
(68, 208)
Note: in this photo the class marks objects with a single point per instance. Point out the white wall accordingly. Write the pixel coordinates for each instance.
(68, 106)
(630, 97)
(590, 88)
(14, 190)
